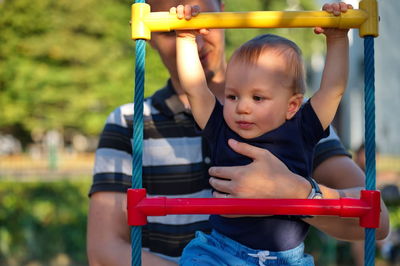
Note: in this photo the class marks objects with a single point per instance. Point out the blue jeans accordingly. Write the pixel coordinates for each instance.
(216, 249)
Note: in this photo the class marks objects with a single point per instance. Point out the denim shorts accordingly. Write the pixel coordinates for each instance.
(219, 250)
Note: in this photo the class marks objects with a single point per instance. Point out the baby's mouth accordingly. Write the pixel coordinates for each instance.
(244, 124)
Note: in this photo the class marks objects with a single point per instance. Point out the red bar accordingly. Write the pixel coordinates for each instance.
(367, 208)
(134, 197)
(371, 218)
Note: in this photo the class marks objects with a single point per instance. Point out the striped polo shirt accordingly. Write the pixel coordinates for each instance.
(175, 164)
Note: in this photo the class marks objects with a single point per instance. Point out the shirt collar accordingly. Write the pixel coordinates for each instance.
(167, 101)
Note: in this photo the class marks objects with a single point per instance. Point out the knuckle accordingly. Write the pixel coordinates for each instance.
(234, 188)
(216, 171)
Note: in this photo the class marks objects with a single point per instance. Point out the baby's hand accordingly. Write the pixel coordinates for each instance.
(187, 12)
(335, 9)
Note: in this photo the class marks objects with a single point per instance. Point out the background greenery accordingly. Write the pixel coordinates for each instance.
(43, 222)
(65, 64)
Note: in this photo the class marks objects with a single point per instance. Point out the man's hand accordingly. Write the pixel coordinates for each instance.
(265, 177)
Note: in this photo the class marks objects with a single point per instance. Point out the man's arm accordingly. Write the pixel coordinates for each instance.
(268, 177)
(108, 234)
(340, 176)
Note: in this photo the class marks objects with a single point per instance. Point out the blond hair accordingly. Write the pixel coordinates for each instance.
(250, 52)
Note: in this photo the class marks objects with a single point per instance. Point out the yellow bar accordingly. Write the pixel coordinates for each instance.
(139, 28)
(370, 27)
(144, 22)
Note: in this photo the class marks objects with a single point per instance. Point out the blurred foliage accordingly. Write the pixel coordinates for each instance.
(305, 37)
(63, 64)
(329, 251)
(66, 64)
(42, 220)
(394, 214)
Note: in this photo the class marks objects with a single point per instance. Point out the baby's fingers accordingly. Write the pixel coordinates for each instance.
(318, 30)
(204, 31)
(195, 10)
(172, 10)
(180, 11)
(333, 8)
(344, 7)
(327, 8)
(191, 11)
(336, 9)
(188, 12)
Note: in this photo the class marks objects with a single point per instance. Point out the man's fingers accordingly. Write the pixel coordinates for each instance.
(246, 149)
(220, 185)
(224, 172)
(221, 195)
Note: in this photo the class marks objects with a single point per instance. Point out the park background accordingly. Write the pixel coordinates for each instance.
(66, 64)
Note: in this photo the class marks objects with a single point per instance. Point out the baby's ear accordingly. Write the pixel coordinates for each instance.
(294, 105)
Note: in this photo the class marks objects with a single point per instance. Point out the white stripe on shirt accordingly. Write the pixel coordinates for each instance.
(172, 151)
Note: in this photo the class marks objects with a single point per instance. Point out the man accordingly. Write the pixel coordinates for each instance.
(175, 164)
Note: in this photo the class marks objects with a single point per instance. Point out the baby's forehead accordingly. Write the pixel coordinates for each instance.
(251, 55)
(269, 70)
(270, 59)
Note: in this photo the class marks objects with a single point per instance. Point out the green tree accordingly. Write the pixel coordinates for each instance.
(42, 220)
(66, 64)
(63, 64)
(304, 37)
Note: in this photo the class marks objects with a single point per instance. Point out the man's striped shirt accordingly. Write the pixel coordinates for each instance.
(175, 164)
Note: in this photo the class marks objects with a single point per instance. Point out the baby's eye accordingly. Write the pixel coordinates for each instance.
(258, 98)
(231, 97)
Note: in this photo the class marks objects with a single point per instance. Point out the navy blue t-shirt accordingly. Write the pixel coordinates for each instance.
(293, 143)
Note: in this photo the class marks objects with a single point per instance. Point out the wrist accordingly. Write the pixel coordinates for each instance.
(303, 188)
(315, 192)
(186, 36)
(338, 37)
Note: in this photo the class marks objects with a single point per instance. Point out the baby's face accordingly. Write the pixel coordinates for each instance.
(257, 96)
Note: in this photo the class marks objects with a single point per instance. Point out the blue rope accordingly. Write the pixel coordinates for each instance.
(369, 94)
(137, 144)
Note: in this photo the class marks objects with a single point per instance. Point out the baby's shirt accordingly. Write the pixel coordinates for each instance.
(293, 143)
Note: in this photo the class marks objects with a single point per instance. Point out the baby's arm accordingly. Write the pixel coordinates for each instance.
(190, 70)
(334, 78)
